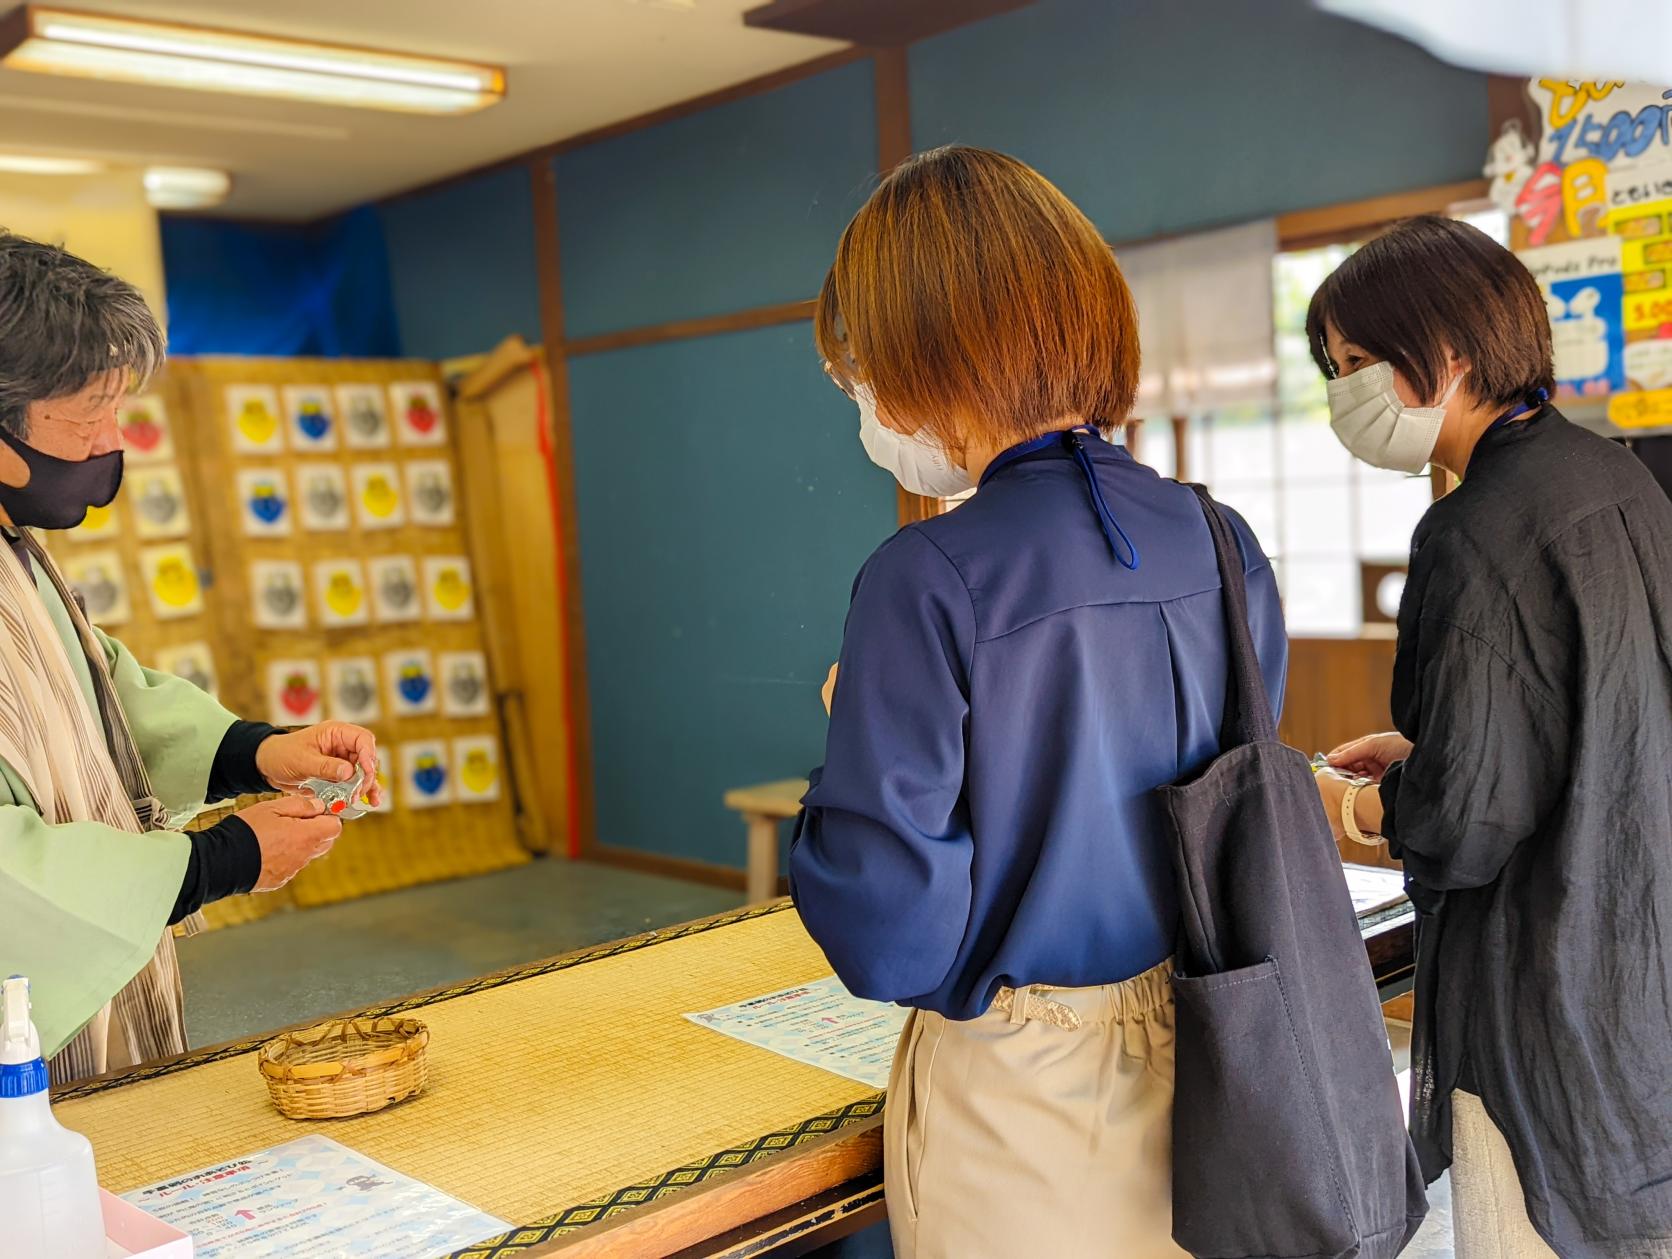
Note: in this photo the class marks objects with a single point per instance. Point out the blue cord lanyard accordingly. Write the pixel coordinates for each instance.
(1538, 399)
(1075, 440)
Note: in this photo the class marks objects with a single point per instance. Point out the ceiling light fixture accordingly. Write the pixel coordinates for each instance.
(35, 164)
(185, 187)
(94, 45)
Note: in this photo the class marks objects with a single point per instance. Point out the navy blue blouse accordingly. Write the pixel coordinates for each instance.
(1010, 694)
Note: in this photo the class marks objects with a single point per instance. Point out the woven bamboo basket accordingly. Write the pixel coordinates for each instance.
(345, 1067)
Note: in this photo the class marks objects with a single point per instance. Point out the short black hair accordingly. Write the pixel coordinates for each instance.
(1429, 285)
(63, 323)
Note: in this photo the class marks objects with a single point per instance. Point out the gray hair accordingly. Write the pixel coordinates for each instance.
(63, 323)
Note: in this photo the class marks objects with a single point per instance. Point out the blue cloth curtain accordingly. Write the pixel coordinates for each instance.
(319, 289)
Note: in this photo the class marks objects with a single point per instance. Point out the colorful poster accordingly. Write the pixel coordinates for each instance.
(313, 426)
(1605, 145)
(276, 595)
(395, 597)
(1648, 409)
(476, 768)
(322, 492)
(253, 412)
(158, 498)
(1649, 364)
(448, 594)
(351, 689)
(264, 503)
(429, 489)
(1645, 236)
(377, 496)
(313, 1196)
(365, 416)
(464, 684)
(145, 432)
(418, 418)
(820, 1024)
(340, 593)
(425, 781)
(171, 580)
(1582, 288)
(1599, 177)
(293, 691)
(410, 675)
(97, 576)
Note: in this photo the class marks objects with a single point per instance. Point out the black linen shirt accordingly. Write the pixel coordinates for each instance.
(1534, 819)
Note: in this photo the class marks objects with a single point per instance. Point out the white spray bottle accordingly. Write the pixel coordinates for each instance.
(49, 1191)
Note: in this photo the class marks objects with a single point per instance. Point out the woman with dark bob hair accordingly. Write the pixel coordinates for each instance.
(1528, 790)
(984, 843)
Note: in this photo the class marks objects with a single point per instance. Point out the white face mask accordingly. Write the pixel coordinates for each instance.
(1374, 425)
(917, 463)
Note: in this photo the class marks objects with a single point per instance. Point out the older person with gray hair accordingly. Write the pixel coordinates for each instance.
(100, 758)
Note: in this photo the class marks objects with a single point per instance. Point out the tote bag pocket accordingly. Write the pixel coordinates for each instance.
(1236, 1140)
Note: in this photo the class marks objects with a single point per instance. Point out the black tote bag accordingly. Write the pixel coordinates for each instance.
(1288, 1141)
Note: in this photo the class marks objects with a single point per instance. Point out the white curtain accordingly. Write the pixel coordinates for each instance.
(1205, 319)
(1564, 39)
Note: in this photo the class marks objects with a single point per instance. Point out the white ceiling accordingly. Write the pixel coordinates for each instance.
(571, 66)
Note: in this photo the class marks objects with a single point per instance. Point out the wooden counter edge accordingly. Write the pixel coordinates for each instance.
(728, 1200)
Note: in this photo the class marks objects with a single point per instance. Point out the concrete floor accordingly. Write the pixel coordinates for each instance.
(344, 957)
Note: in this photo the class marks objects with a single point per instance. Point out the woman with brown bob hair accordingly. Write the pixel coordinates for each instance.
(983, 844)
(1528, 789)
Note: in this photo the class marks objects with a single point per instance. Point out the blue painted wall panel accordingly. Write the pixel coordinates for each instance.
(1166, 115)
(735, 207)
(318, 289)
(725, 507)
(463, 263)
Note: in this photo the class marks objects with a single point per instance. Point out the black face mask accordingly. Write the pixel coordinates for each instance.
(60, 490)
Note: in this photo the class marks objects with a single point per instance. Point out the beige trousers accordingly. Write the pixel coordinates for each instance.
(1042, 1128)
(1488, 1210)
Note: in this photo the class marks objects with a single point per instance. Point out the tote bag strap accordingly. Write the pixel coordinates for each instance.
(1248, 716)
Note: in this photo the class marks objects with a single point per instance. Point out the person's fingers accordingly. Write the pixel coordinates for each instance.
(297, 807)
(1357, 758)
(319, 765)
(365, 751)
(1353, 747)
(322, 830)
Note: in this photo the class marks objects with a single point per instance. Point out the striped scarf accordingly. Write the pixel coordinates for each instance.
(79, 769)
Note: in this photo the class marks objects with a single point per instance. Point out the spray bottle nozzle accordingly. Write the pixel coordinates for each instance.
(19, 1041)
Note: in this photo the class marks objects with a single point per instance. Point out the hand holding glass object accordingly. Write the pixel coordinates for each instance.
(335, 751)
(1371, 755)
(1340, 792)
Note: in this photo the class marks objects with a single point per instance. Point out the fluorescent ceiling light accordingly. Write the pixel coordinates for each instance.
(89, 45)
(31, 164)
(185, 187)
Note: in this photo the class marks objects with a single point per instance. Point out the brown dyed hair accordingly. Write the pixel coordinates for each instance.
(972, 297)
(1430, 285)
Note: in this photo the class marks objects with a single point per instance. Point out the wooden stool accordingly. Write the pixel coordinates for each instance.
(763, 807)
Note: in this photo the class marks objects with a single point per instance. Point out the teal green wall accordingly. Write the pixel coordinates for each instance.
(1167, 115)
(462, 261)
(734, 207)
(724, 503)
(725, 506)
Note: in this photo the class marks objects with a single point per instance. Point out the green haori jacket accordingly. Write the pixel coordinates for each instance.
(82, 905)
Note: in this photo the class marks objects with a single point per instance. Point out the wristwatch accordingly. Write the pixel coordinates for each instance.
(1349, 818)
